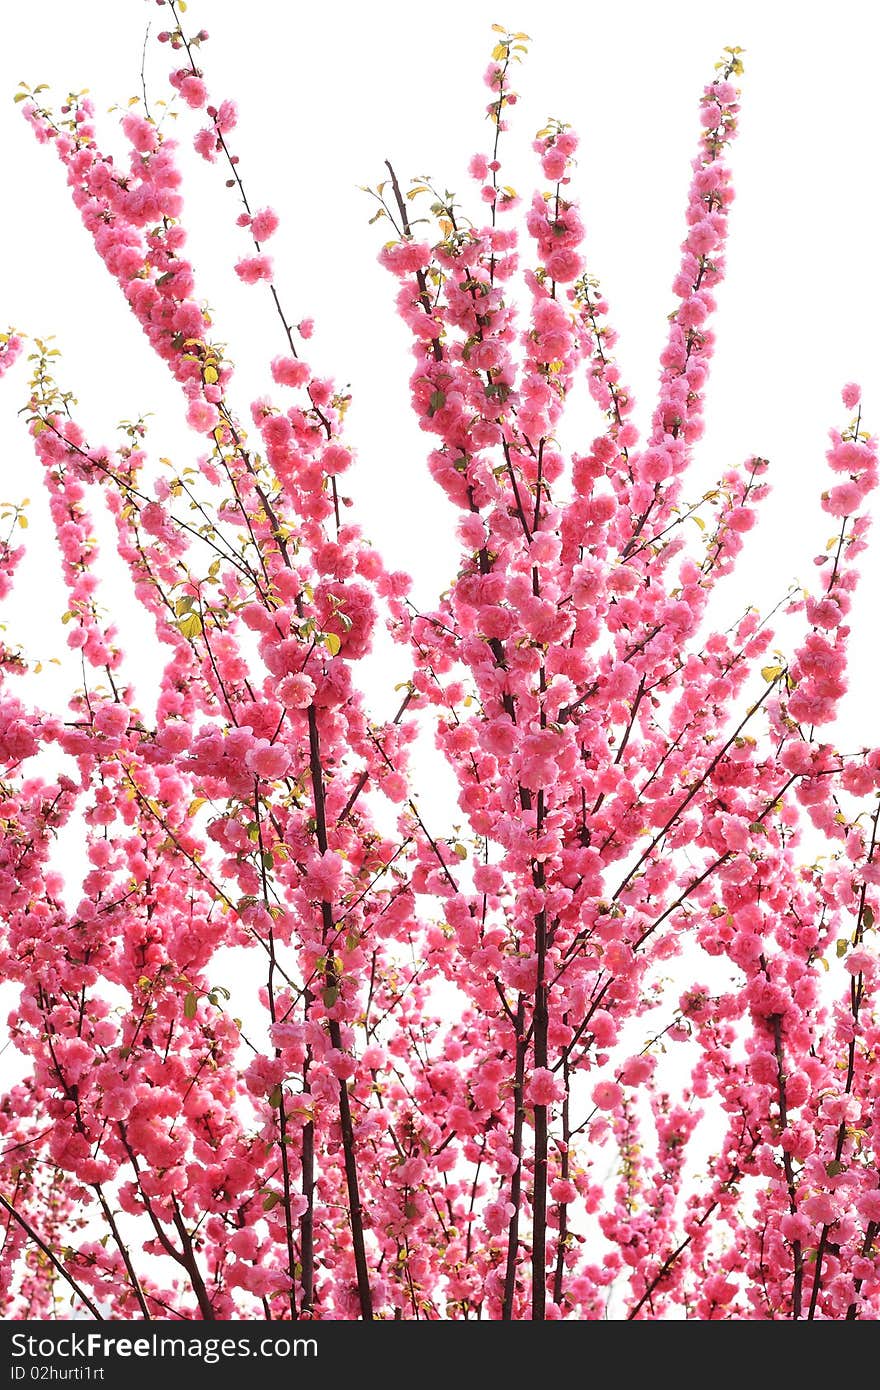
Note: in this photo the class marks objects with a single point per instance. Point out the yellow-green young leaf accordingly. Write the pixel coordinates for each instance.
(191, 1005)
(842, 947)
(332, 643)
(195, 805)
(212, 376)
(21, 96)
(270, 1200)
(190, 625)
(460, 851)
(771, 673)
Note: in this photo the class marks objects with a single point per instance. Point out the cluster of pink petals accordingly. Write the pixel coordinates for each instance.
(631, 781)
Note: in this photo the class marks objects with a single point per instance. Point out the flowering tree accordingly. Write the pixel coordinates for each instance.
(605, 1048)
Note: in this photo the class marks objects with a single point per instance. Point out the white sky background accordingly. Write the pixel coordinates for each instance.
(325, 93)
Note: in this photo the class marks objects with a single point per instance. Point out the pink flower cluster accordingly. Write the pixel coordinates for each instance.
(441, 1040)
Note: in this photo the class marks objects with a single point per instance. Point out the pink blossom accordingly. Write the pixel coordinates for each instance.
(564, 264)
(202, 416)
(406, 256)
(603, 1027)
(227, 117)
(296, 690)
(140, 132)
(268, 760)
(868, 1204)
(543, 1087)
(289, 371)
(264, 223)
(194, 91)
(795, 1226)
(607, 1095)
(843, 499)
(496, 1216)
(861, 961)
(821, 1208)
(324, 876)
(637, 1070)
(250, 269)
(553, 163)
(205, 144)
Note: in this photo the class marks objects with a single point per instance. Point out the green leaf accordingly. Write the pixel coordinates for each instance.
(276, 1097)
(842, 947)
(190, 625)
(330, 996)
(437, 401)
(191, 1005)
(868, 916)
(271, 1200)
(834, 1168)
(771, 673)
